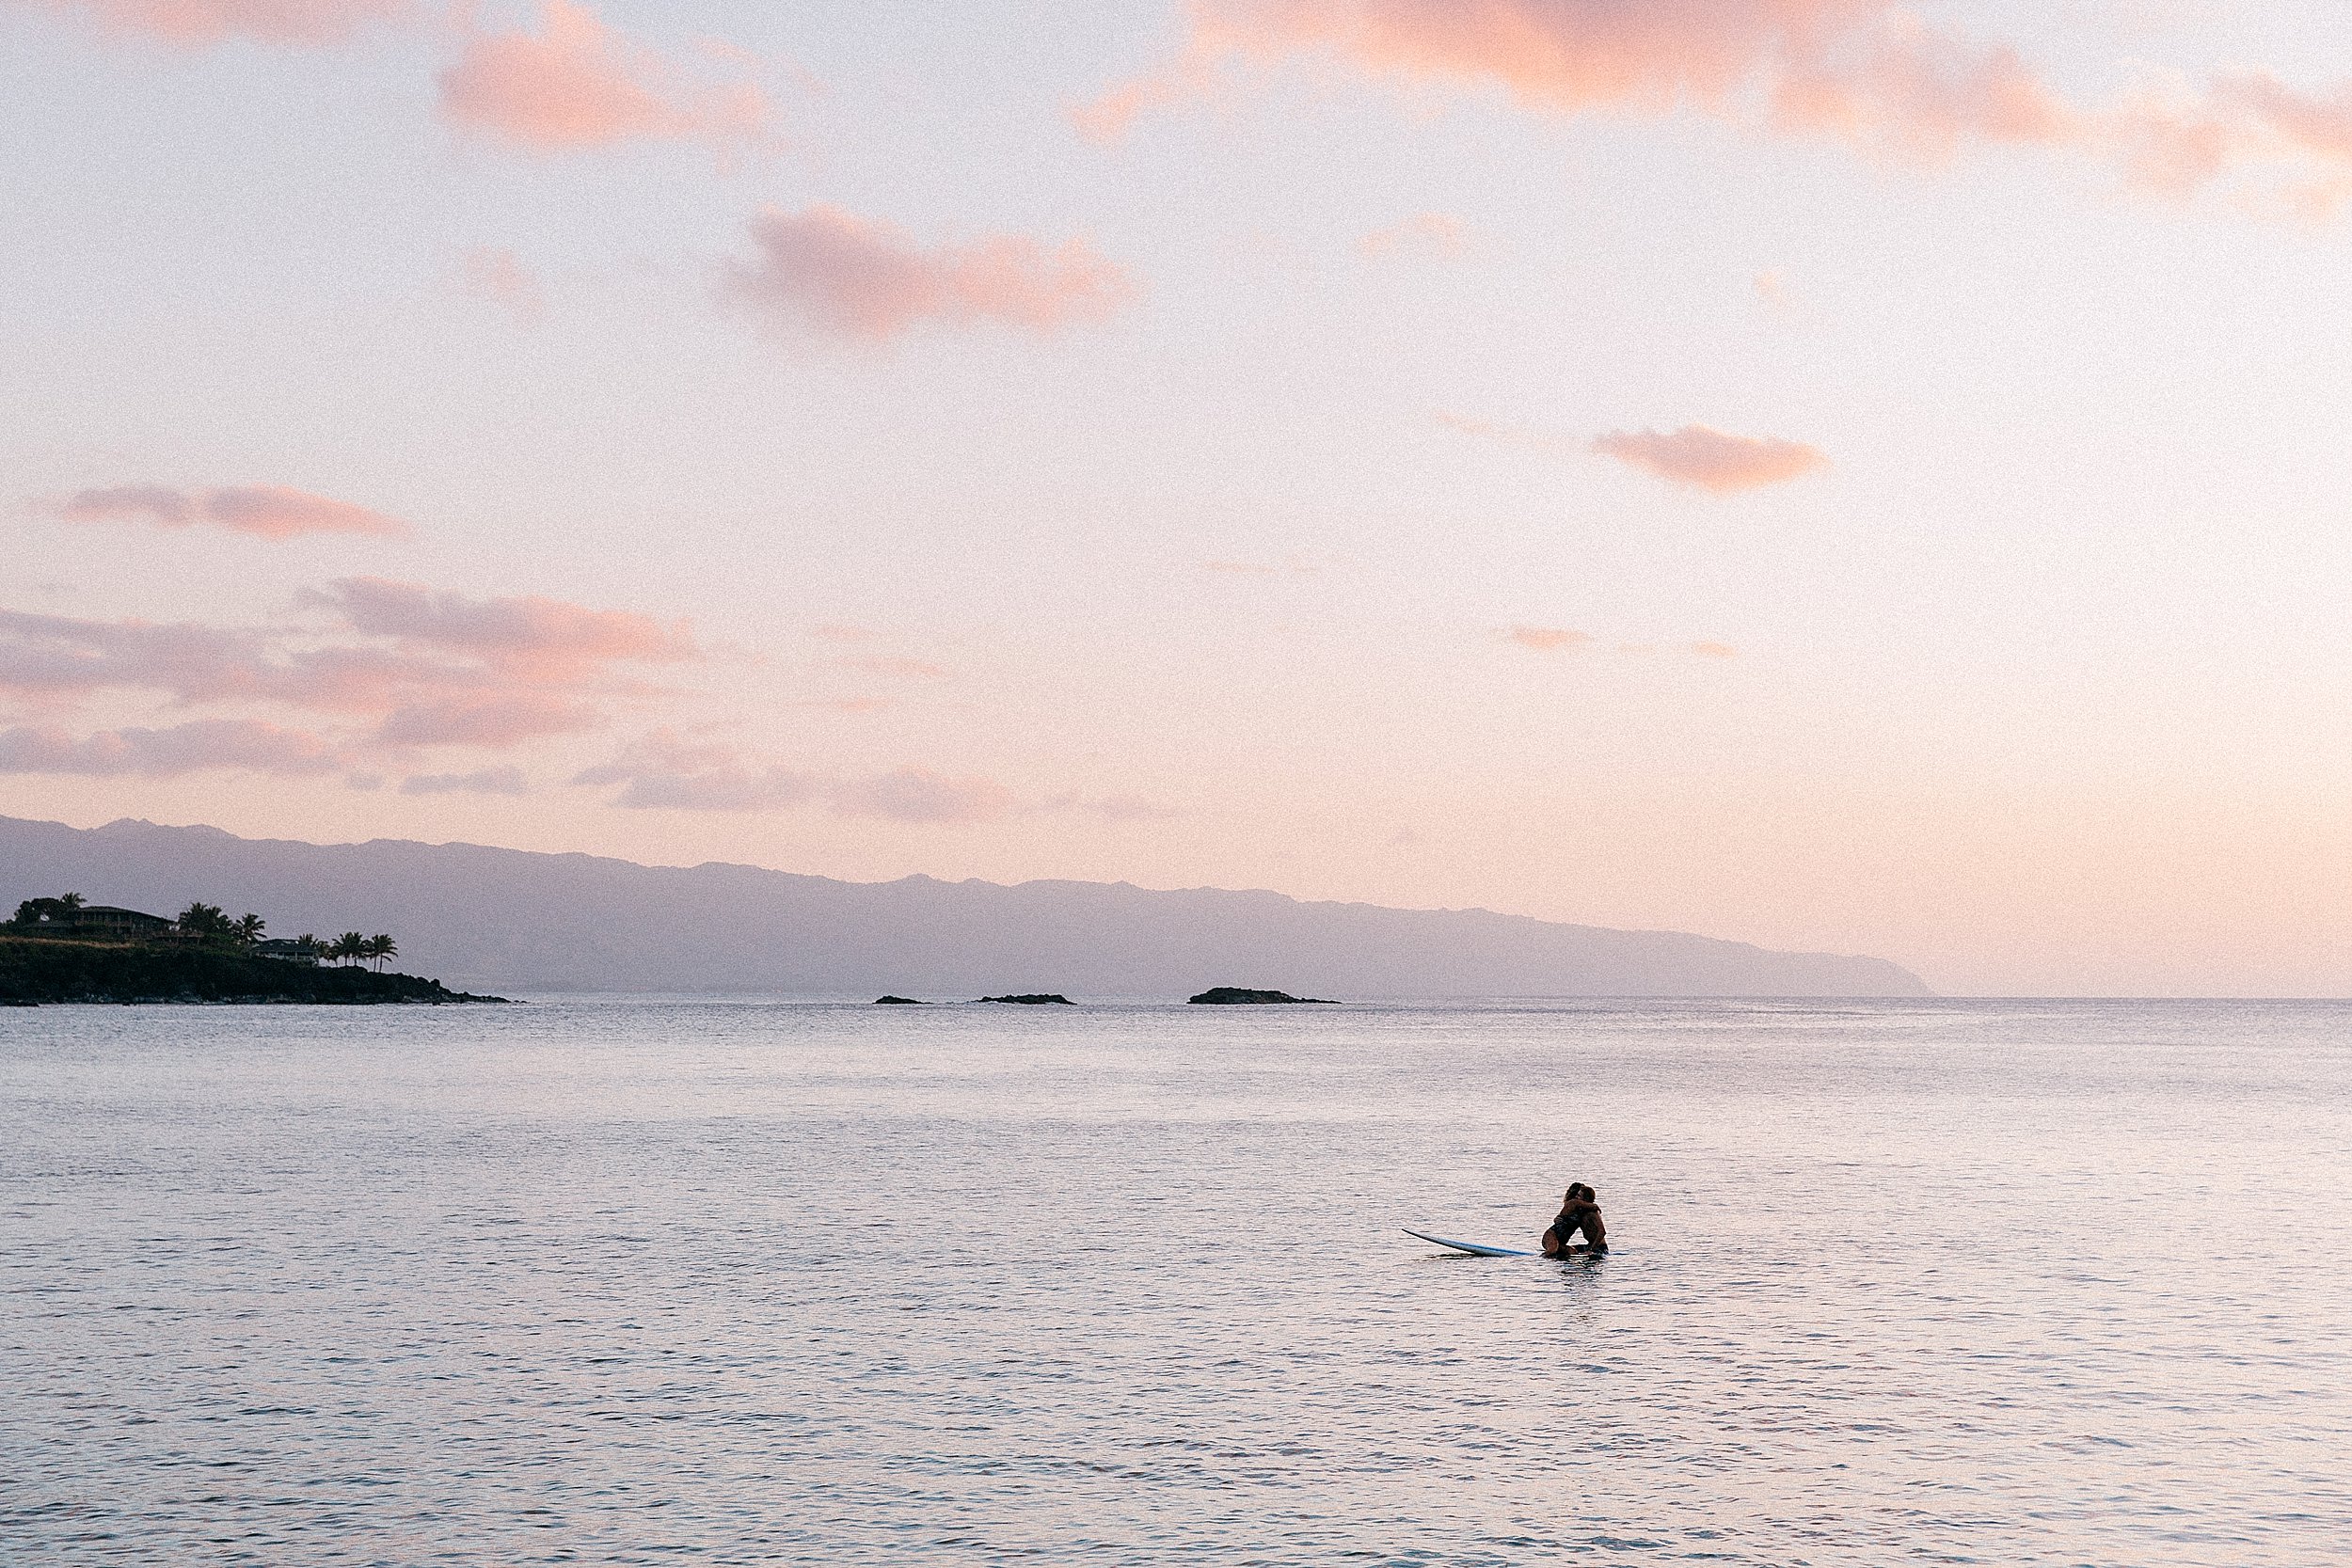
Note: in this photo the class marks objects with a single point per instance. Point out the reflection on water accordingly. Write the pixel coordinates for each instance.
(633, 1282)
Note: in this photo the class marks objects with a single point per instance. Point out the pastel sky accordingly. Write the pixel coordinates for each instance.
(1823, 472)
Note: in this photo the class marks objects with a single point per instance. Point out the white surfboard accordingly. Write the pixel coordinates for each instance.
(1471, 1248)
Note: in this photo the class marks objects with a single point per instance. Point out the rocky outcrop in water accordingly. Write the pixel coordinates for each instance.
(1235, 996)
(1033, 999)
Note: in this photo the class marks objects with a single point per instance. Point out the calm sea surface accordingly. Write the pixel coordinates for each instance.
(655, 1282)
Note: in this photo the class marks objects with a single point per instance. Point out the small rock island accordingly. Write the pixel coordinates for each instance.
(1033, 999)
(1236, 996)
(897, 1001)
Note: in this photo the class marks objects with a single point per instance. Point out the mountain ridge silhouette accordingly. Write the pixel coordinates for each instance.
(482, 917)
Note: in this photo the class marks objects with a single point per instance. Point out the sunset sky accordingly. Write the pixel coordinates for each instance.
(1820, 472)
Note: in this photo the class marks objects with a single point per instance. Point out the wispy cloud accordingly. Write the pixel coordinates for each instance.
(1709, 460)
(497, 274)
(207, 21)
(1868, 73)
(1440, 234)
(834, 273)
(203, 745)
(1545, 640)
(548, 638)
(269, 512)
(576, 86)
(487, 780)
(424, 667)
(1517, 434)
(493, 722)
(1862, 71)
(1110, 808)
(666, 772)
(919, 795)
(663, 770)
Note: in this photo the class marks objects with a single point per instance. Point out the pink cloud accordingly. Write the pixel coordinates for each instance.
(206, 22)
(43, 654)
(54, 654)
(203, 745)
(1862, 71)
(577, 85)
(1710, 460)
(1714, 650)
(1547, 638)
(1868, 73)
(2317, 124)
(835, 274)
(498, 275)
(545, 637)
(429, 668)
(269, 512)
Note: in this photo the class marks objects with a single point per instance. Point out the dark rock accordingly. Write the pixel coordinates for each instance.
(1034, 999)
(897, 1001)
(1235, 996)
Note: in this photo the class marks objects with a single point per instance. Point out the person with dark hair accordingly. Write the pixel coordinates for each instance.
(1579, 1210)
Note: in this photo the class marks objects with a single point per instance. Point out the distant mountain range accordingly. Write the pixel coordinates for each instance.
(506, 920)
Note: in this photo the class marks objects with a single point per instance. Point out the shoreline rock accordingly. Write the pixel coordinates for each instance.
(42, 970)
(1033, 999)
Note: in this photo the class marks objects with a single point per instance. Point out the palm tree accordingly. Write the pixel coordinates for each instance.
(69, 900)
(249, 927)
(350, 947)
(205, 922)
(380, 948)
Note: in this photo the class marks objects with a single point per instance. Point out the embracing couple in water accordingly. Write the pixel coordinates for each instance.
(1579, 1210)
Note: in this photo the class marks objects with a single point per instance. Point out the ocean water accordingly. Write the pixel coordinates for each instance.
(653, 1282)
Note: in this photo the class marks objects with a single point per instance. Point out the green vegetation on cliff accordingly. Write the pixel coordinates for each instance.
(51, 969)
